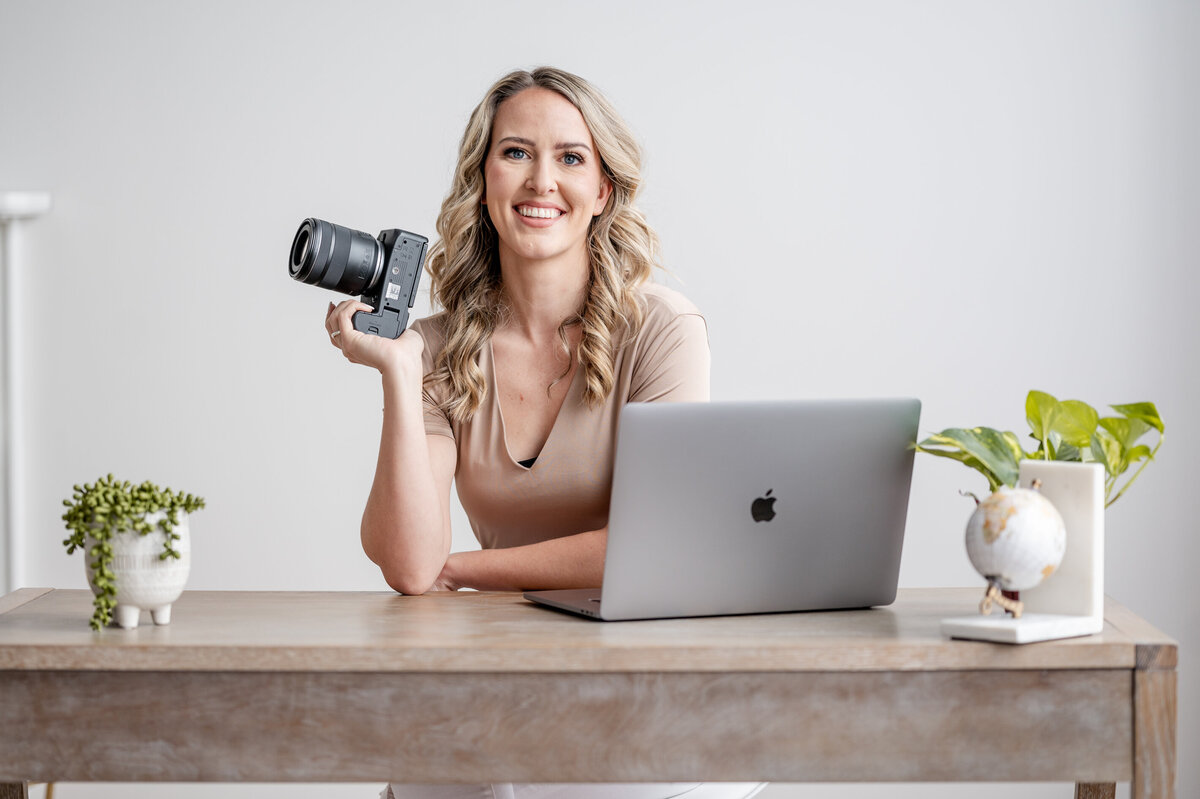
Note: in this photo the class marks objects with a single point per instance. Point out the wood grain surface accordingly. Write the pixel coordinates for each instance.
(478, 687)
(1154, 734)
(805, 726)
(1155, 649)
(303, 631)
(19, 597)
(1107, 790)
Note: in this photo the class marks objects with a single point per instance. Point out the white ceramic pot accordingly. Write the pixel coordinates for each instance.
(144, 581)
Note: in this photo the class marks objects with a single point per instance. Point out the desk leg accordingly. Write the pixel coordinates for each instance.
(1154, 734)
(14, 790)
(1095, 790)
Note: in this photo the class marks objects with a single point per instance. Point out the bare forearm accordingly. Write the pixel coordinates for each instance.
(574, 561)
(404, 527)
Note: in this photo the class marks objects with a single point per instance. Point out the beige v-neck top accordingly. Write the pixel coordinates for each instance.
(567, 489)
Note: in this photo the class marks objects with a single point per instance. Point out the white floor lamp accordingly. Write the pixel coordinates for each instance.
(15, 208)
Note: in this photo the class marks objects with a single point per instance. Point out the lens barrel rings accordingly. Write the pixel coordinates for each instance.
(335, 257)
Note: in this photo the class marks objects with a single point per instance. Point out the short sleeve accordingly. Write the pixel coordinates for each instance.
(437, 423)
(673, 361)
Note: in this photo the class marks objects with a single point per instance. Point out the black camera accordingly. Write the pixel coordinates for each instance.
(383, 270)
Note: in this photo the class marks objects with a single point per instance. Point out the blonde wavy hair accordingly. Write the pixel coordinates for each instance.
(464, 264)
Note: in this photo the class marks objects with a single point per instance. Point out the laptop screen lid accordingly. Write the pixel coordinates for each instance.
(753, 507)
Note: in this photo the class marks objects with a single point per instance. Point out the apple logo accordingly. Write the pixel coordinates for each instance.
(763, 508)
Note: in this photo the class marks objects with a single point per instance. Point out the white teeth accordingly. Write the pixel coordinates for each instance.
(539, 213)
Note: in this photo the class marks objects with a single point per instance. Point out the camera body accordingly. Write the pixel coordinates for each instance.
(395, 292)
(384, 270)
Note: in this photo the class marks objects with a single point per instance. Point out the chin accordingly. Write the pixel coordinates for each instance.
(539, 253)
(538, 248)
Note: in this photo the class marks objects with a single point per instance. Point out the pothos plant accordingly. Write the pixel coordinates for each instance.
(1067, 430)
(107, 507)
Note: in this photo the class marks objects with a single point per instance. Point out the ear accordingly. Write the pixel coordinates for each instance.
(602, 197)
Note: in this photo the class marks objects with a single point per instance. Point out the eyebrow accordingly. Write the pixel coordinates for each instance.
(562, 145)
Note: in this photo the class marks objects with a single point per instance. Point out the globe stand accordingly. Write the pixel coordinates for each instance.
(1069, 603)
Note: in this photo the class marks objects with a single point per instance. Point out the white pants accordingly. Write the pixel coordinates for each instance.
(508, 790)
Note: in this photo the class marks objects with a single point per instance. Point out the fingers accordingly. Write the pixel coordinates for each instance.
(332, 324)
(339, 325)
(338, 319)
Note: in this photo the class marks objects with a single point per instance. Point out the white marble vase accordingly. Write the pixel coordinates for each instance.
(144, 581)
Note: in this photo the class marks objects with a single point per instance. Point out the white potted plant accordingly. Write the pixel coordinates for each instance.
(136, 544)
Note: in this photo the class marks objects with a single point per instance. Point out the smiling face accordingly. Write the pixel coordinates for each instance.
(543, 178)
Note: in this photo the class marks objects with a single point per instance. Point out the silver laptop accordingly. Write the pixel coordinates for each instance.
(753, 507)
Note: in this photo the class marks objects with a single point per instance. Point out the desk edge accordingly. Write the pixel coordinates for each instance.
(1153, 649)
(22, 596)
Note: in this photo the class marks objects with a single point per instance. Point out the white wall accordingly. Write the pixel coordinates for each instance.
(955, 200)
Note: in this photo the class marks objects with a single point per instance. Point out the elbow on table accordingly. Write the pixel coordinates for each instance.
(410, 581)
(397, 564)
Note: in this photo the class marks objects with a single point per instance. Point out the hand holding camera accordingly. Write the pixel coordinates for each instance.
(400, 356)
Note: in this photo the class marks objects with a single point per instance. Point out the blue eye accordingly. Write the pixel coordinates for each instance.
(572, 159)
(516, 153)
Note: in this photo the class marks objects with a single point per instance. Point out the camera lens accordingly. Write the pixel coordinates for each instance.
(335, 257)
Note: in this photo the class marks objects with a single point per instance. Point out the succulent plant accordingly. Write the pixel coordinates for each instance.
(109, 506)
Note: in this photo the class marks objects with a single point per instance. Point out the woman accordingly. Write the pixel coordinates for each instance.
(514, 390)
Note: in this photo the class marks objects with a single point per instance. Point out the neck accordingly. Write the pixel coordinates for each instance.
(542, 294)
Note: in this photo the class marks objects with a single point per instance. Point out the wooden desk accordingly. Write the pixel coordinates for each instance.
(485, 687)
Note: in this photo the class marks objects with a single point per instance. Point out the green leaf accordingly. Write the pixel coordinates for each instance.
(1118, 427)
(992, 451)
(1138, 453)
(966, 460)
(1014, 445)
(1068, 452)
(962, 457)
(1107, 450)
(1039, 407)
(1137, 429)
(1126, 431)
(1145, 411)
(1075, 421)
(1053, 442)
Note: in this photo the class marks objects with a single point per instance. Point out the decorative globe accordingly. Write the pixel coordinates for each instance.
(1016, 538)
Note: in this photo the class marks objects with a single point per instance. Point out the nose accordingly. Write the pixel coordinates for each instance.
(541, 177)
